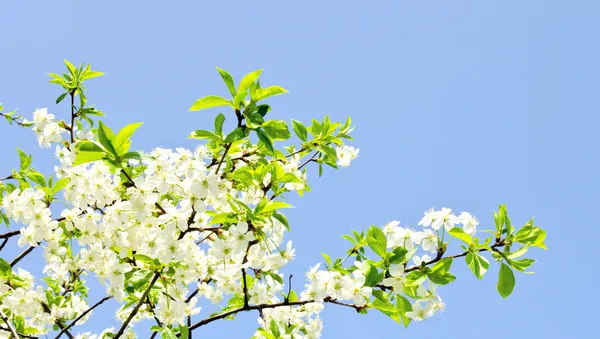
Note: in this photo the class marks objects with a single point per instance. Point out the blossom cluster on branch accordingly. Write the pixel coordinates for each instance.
(168, 231)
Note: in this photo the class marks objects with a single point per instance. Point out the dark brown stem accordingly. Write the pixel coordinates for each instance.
(227, 147)
(6, 178)
(9, 324)
(312, 158)
(21, 256)
(81, 316)
(58, 322)
(20, 123)
(137, 307)
(72, 94)
(162, 210)
(263, 306)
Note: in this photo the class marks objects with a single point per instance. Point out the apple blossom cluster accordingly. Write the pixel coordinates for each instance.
(170, 234)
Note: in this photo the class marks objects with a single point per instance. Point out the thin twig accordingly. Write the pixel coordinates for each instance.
(72, 94)
(227, 147)
(309, 160)
(137, 307)
(21, 256)
(9, 324)
(82, 315)
(263, 306)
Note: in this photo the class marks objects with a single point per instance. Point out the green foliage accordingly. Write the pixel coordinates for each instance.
(377, 241)
(506, 281)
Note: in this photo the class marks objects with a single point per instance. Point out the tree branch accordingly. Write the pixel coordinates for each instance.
(137, 307)
(9, 324)
(21, 256)
(264, 306)
(81, 316)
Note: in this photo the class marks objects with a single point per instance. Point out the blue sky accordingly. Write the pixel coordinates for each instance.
(463, 104)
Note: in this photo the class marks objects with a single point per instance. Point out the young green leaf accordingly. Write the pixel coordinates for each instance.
(209, 102)
(248, 79)
(477, 263)
(235, 135)
(263, 93)
(300, 130)
(377, 241)
(228, 79)
(277, 129)
(107, 138)
(123, 139)
(219, 120)
(460, 234)
(266, 140)
(506, 281)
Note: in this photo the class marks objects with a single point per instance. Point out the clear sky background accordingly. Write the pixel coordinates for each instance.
(463, 104)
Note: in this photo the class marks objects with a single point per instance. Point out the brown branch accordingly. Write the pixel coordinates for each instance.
(312, 158)
(57, 321)
(81, 316)
(137, 307)
(10, 234)
(7, 177)
(10, 325)
(133, 183)
(21, 256)
(15, 120)
(227, 147)
(440, 257)
(263, 306)
(72, 94)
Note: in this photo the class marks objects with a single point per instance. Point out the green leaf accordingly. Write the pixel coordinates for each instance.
(275, 205)
(24, 159)
(531, 235)
(219, 120)
(266, 140)
(440, 272)
(203, 134)
(140, 278)
(263, 93)
(478, 264)
(387, 308)
(300, 130)
(403, 305)
(91, 74)
(59, 185)
(209, 102)
(228, 79)
(167, 333)
(184, 332)
(327, 258)
(522, 264)
(61, 97)
(377, 241)
(373, 277)
(36, 177)
(87, 151)
(235, 135)
(123, 139)
(460, 234)
(274, 328)
(266, 334)
(506, 281)
(72, 69)
(398, 255)
(518, 253)
(5, 269)
(277, 129)
(107, 138)
(248, 80)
